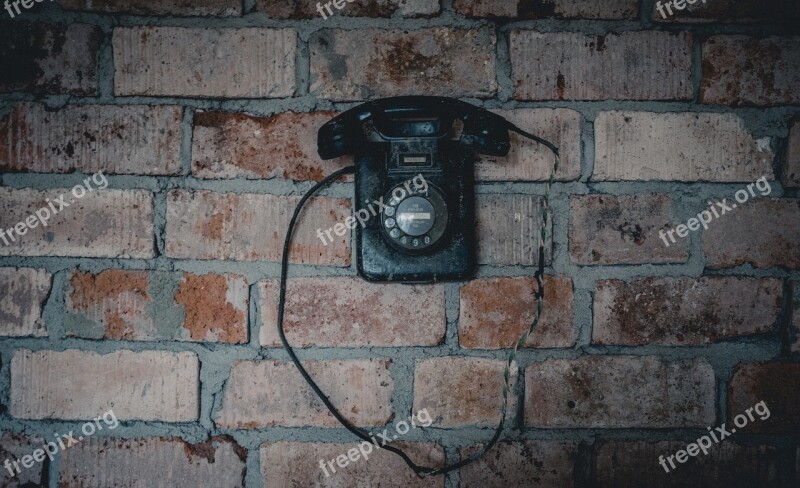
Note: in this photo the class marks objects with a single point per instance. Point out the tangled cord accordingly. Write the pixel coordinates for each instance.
(421, 471)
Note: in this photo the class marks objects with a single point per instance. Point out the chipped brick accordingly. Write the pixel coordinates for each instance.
(684, 311)
(228, 145)
(80, 385)
(23, 292)
(494, 313)
(349, 312)
(741, 70)
(620, 392)
(362, 64)
(262, 394)
(194, 62)
(128, 139)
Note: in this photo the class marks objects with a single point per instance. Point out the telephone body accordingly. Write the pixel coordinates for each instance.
(415, 233)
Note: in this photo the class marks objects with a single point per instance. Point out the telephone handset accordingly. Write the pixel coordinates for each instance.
(485, 132)
(409, 164)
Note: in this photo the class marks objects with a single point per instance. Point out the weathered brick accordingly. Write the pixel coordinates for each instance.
(361, 64)
(78, 385)
(178, 61)
(124, 139)
(23, 292)
(794, 326)
(508, 230)
(678, 147)
(791, 168)
(530, 161)
(297, 464)
(514, 464)
(684, 311)
(229, 145)
(101, 462)
(271, 393)
(206, 225)
(619, 392)
(15, 447)
(496, 311)
(45, 58)
(103, 223)
(224, 8)
(741, 70)
(609, 229)
(302, 9)
(459, 391)
(644, 65)
(539, 9)
(349, 312)
(774, 11)
(629, 464)
(775, 384)
(156, 306)
(762, 233)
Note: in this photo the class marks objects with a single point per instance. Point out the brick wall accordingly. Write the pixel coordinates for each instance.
(155, 295)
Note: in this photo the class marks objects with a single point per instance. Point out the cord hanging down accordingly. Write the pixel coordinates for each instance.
(422, 471)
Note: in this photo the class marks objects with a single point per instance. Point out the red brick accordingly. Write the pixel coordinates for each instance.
(609, 229)
(514, 464)
(103, 223)
(644, 65)
(158, 7)
(775, 11)
(349, 312)
(741, 70)
(189, 62)
(229, 145)
(530, 161)
(80, 385)
(678, 147)
(508, 230)
(215, 307)
(273, 394)
(539, 9)
(297, 464)
(49, 58)
(24, 292)
(684, 311)
(496, 311)
(775, 384)
(762, 233)
(619, 392)
(302, 9)
(102, 462)
(361, 64)
(125, 139)
(14, 447)
(206, 225)
(459, 391)
(131, 305)
(791, 167)
(630, 464)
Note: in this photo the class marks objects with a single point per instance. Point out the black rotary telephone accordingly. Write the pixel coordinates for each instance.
(414, 203)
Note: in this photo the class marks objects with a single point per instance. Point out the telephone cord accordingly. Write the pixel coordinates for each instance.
(421, 471)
